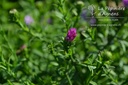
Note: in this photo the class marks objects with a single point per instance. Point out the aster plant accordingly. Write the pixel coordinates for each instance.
(71, 35)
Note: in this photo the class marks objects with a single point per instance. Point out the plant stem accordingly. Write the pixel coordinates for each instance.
(70, 83)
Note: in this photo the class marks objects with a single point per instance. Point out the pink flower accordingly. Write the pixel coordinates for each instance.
(125, 2)
(71, 34)
(28, 19)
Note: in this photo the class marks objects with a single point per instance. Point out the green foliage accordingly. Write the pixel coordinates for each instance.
(38, 54)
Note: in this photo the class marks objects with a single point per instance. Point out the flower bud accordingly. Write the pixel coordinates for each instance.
(71, 34)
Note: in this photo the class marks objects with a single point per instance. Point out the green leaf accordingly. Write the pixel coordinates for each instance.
(91, 68)
(59, 15)
(124, 44)
(3, 67)
(9, 82)
(93, 83)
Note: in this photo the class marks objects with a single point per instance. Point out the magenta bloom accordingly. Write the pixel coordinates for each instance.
(28, 19)
(125, 2)
(71, 34)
